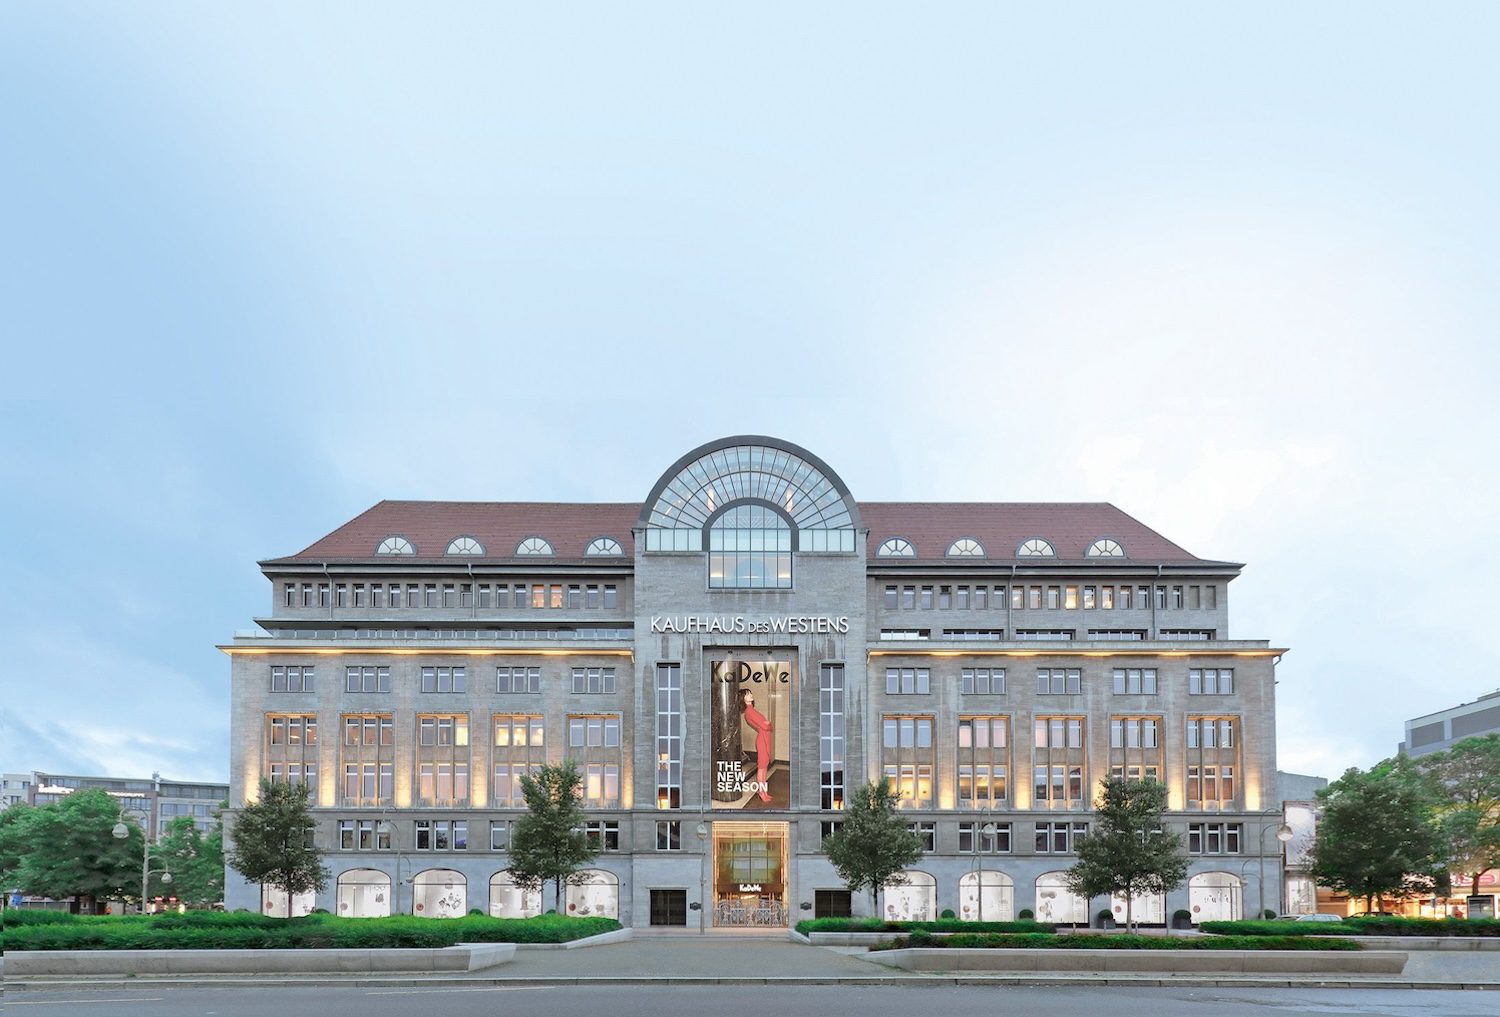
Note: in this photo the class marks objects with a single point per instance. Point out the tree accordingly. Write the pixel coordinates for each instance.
(68, 849)
(195, 860)
(12, 845)
(1465, 783)
(873, 844)
(1127, 851)
(548, 843)
(1376, 835)
(273, 841)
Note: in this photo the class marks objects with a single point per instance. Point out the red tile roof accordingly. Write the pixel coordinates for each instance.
(569, 527)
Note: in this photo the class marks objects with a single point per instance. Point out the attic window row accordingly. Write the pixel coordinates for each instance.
(531, 546)
(969, 547)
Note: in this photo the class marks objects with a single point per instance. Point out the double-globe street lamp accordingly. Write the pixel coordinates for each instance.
(1284, 834)
(122, 832)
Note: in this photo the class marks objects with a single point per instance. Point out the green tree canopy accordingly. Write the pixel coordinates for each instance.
(68, 849)
(12, 845)
(195, 859)
(273, 841)
(873, 844)
(1465, 783)
(547, 843)
(1128, 852)
(1376, 835)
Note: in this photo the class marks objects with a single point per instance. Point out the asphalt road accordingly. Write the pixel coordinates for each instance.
(750, 1001)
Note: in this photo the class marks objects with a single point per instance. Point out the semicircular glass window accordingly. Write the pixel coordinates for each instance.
(750, 548)
(807, 496)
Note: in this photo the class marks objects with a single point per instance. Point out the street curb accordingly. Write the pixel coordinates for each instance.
(437, 984)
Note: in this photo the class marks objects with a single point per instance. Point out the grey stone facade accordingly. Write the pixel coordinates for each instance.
(1181, 627)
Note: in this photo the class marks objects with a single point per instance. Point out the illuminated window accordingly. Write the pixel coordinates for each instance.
(594, 744)
(1105, 548)
(466, 545)
(367, 754)
(1059, 762)
(831, 734)
(668, 736)
(292, 749)
(533, 545)
(907, 759)
(965, 547)
(395, 545)
(1036, 547)
(1135, 748)
(896, 548)
(983, 761)
(604, 546)
(518, 752)
(750, 548)
(443, 759)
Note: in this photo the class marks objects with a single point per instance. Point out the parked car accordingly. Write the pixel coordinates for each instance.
(1373, 914)
(1319, 917)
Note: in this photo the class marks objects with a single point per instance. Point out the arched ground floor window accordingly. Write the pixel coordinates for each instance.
(1146, 910)
(364, 893)
(1056, 903)
(439, 893)
(507, 900)
(1215, 897)
(912, 901)
(273, 902)
(986, 896)
(596, 894)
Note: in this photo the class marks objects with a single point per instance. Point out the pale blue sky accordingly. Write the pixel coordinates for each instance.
(1232, 268)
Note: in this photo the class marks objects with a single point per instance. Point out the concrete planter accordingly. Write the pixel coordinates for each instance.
(1364, 962)
(462, 957)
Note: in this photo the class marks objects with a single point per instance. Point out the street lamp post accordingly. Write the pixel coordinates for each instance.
(122, 832)
(983, 833)
(702, 832)
(388, 828)
(1283, 834)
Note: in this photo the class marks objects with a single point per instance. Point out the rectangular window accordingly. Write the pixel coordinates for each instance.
(593, 680)
(907, 758)
(926, 833)
(1106, 598)
(575, 597)
(1033, 598)
(603, 834)
(908, 597)
(983, 761)
(831, 736)
(961, 598)
(445, 679)
(367, 679)
(442, 835)
(1125, 604)
(984, 838)
(291, 751)
(892, 598)
(908, 681)
(981, 597)
(1060, 759)
(1044, 635)
(1058, 681)
(430, 592)
(292, 678)
(828, 828)
(982, 681)
(1070, 598)
(611, 597)
(1090, 598)
(926, 599)
(1135, 681)
(518, 751)
(1211, 759)
(1054, 598)
(594, 743)
(518, 680)
(288, 594)
(499, 835)
(1211, 681)
(669, 835)
(945, 598)
(668, 736)
(1060, 838)
(367, 754)
(1215, 838)
(364, 835)
(443, 759)
(1017, 598)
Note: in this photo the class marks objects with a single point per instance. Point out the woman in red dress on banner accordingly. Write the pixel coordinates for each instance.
(762, 726)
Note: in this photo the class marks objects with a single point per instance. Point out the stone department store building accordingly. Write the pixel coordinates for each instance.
(725, 661)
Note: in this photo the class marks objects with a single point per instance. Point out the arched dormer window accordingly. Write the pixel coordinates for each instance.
(533, 545)
(896, 547)
(750, 547)
(1036, 547)
(395, 544)
(604, 546)
(965, 547)
(1105, 548)
(465, 545)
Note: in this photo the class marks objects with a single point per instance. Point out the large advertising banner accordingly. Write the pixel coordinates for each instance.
(751, 717)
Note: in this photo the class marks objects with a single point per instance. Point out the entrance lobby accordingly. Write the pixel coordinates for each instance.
(750, 874)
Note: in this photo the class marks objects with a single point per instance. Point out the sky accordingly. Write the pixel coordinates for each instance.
(1230, 267)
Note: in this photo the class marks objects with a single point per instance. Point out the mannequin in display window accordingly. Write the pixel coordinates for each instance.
(762, 726)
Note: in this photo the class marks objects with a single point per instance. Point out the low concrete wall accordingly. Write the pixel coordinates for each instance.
(462, 957)
(1427, 942)
(603, 939)
(1362, 962)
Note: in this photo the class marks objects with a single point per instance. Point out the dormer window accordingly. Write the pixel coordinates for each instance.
(466, 545)
(896, 547)
(395, 544)
(1105, 548)
(604, 546)
(1036, 547)
(533, 545)
(965, 547)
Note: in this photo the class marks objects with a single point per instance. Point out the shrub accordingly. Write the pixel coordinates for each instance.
(1122, 942)
(1374, 925)
(207, 930)
(941, 925)
(947, 913)
(1182, 915)
(1026, 915)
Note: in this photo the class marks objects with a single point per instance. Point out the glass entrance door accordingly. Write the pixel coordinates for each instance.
(750, 874)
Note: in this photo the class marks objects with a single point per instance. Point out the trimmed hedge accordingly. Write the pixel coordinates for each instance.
(1373, 925)
(207, 930)
(973, 941)
(941, 925)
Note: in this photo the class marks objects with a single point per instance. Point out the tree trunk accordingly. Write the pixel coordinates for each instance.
(1128, 919)
(875, 901)
(288, 902)
(1474, 889)
(557, 885)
